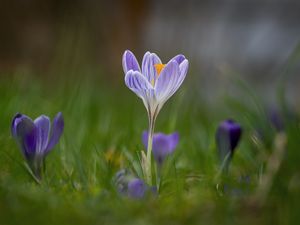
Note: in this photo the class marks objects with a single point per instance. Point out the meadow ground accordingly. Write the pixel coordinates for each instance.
(103, 127)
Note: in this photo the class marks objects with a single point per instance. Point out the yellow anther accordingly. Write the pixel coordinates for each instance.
(159, 67)
(152, 82)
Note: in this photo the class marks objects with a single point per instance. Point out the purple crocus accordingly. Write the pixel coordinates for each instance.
(131, 186)
(276, 119)
(154, 83)
(227, 137)
(136, 188)
(36, 138)
(163, 145)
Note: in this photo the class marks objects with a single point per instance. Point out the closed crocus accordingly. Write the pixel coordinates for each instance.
(227, 137)
(163, 145)
(36, 138)
(154, 83)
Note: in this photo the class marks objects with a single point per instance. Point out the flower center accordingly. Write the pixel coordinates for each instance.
(159, 68)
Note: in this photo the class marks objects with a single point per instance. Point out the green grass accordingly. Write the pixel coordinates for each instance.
(100, 117)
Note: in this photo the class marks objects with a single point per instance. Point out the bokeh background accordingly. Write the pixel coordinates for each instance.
(65, 55)
(252, 39)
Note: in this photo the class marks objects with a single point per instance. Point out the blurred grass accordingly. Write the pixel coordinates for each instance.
(77, 187)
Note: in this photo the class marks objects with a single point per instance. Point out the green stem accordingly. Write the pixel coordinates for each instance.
(148, 168)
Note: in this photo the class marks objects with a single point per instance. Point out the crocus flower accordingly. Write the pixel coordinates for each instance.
(163, 145)
(155, 83)
(276, 119)
(136, 188)
(131, 186)
(36, 138)
(227, 138)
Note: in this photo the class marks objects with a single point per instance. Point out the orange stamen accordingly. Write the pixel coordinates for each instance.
(159, 67)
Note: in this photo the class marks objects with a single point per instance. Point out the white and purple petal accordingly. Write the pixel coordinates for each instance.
(130, 62)
(178, 58)
(148, 66)
(183, 68)
(138, 83)
(166, 82)
(56, 131)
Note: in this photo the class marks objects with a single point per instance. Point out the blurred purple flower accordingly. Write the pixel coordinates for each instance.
(227, 137)
(136, 188)
(163, 145)
(36, 138)
(130, 186)
(276, 119)
(155, 83)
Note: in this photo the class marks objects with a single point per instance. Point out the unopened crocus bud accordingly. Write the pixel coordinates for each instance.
(276, 120)
(227, 137)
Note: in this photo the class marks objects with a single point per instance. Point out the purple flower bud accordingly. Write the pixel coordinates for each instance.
(162, 146)
(276, 119)
(227, 137)
(36, 138)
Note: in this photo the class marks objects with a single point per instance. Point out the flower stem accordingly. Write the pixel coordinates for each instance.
(148, 167)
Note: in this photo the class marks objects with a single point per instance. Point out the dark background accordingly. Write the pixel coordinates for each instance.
(252, 38)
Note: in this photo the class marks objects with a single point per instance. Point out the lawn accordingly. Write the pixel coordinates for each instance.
(104, 122)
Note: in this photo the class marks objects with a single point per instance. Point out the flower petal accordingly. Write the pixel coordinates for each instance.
(162, 145)
(173, 139)
(145, 139)
(25, 132)
(148, 68)
(42, 124)
(178, 58)
(129, 62)
(56, 131)
(16, 120)
(136, 82)
(166, 82)
(183, 68)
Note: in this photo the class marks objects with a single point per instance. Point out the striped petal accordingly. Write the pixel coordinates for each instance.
(178, 58)
(148, 68)
(166, 82)
(129, 62)
(138, 83)
(183, 68)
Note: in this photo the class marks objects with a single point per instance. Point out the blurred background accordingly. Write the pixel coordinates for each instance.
(256, 40)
